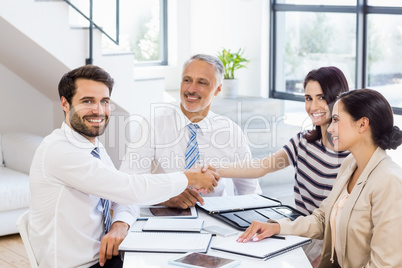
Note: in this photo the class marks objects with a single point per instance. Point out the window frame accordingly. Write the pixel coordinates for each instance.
(361, 9)
(164, 37)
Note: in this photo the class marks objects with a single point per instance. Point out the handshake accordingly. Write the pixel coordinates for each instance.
(202, 179)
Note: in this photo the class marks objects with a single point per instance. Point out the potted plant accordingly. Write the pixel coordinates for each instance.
(231, 62)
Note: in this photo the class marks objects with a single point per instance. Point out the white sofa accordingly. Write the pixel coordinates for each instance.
(16, 153)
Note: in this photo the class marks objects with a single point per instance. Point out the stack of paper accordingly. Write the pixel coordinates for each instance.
(166, 242)
(173, 225)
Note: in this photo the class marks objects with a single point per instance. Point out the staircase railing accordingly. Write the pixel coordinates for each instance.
(93, 25)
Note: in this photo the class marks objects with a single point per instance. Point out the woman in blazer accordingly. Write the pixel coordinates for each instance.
(360, 220)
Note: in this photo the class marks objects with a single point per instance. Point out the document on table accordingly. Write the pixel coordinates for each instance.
(218, 204)
(171, 242)
(176, 225)
(263, 249)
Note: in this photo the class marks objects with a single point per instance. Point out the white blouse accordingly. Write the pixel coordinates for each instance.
(334, 221)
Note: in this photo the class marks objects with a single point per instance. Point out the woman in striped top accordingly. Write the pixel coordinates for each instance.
(311, 153)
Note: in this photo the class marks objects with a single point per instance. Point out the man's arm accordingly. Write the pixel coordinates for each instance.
(123, 218)
(188, 198)
(97, 178)
(111, 241)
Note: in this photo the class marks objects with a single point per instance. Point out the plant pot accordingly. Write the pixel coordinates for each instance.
(230, 88)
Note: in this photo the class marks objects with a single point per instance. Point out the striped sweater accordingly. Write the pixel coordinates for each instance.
(316, 168)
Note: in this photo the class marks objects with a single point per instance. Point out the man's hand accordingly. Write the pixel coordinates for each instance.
(111, 241)
(204, 181)
(186, 199)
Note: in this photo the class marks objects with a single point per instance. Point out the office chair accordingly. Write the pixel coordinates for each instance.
(22, 224)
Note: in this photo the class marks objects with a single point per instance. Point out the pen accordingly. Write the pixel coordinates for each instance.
(278, 237)
(254, 238)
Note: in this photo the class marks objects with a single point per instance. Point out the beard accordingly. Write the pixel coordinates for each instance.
(191, 107)
(78, 124)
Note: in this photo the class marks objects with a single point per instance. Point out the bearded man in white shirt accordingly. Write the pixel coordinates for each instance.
(161, 143)
(73, 182)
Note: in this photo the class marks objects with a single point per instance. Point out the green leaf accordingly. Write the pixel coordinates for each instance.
(232, 61)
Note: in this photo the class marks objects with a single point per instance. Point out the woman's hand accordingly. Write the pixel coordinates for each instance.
(205, 167)
(261, 230)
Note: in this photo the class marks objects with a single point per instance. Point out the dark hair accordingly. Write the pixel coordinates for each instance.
(67, 86)
(371, 104)
(332, 82)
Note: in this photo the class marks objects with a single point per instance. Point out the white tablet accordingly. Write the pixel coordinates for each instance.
(200, 260)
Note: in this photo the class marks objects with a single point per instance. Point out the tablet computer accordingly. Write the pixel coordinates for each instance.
(200, 260)
(147, 212)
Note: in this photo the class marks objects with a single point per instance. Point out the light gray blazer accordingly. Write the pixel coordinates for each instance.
(371, 221)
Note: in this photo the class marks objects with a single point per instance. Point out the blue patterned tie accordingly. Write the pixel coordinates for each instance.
(105, 203)
(192, 152)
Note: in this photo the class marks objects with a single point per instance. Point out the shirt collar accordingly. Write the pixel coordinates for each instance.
(205, 124)
(77, 139)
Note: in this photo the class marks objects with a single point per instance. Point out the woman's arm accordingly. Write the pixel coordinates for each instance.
(255, 168)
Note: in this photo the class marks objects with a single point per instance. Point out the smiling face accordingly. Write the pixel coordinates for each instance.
(198, 88)
(315, 104)
(344, 130)
(89, 111)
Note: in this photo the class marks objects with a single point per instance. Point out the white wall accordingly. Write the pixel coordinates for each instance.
(47, 23)
(206, 26)
(23, 108)
(232, 24)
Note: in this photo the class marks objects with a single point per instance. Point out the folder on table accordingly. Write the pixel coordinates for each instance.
(263, 249)
(240, 210)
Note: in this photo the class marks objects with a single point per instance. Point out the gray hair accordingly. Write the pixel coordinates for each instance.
(215, 61)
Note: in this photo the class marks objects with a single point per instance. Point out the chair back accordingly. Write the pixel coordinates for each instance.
(22, 224)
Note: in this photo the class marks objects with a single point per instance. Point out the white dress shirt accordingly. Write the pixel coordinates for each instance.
(66, 181)
(159, 146)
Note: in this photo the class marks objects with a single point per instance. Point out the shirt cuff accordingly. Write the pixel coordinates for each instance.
(126, 217)
(179, 182)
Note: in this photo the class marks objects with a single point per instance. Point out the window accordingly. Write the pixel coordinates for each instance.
(143, 28)
(384, 50)
(139, 26)
(362, 38)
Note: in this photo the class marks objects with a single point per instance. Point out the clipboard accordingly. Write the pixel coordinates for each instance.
(264, 249)
(256, 207)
